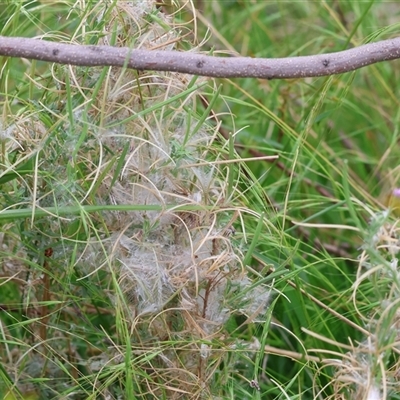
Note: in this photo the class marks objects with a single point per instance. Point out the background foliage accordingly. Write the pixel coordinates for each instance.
(315, 239)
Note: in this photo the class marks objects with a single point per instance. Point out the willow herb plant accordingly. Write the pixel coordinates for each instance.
(133, 300)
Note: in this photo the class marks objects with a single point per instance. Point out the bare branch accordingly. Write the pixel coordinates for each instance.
(199, 64)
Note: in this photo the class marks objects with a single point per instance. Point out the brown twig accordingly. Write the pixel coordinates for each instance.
(200, 64)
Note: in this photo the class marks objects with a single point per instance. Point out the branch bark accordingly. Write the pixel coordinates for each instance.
(199, 64)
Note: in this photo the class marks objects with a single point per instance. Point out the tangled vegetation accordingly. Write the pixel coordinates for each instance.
(170, 236)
